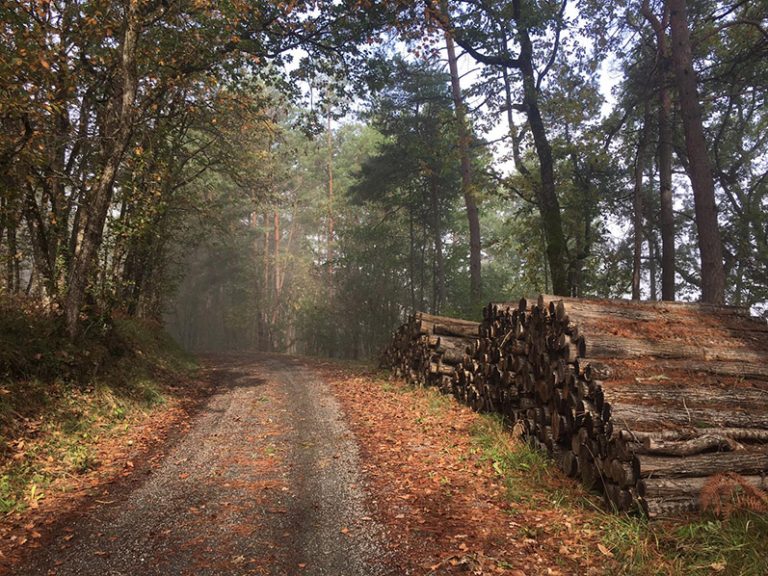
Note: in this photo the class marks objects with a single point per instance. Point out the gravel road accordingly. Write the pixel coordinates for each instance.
(265, 482)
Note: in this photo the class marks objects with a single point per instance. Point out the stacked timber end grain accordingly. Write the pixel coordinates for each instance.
(677, 393)
(645, 402)
(428, 349)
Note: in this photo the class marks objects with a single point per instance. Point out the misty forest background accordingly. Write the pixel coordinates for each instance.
(298, 176)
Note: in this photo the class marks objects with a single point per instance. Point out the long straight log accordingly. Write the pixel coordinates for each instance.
(740, 434)
(687, 487)
(602, 346)
(615, 306)
(443, 325)
(749, 463)
(644, 419)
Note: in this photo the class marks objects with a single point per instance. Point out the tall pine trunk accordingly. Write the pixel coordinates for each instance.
(473, 216)
(665, 189)
(710, 244)
(438, 289)
(330, 204)
(548, 202)
(664, 151)
(637, 217)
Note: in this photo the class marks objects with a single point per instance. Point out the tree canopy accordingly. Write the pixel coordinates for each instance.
(300, 175)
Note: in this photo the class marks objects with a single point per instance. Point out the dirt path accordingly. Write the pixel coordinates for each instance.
(266, 482)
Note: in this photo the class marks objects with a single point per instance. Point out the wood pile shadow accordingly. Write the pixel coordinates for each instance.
(648, 402)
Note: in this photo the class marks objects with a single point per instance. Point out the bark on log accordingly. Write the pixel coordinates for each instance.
(707, 443)
(602, 346)
(687, 487)
(642, 419)
(443, 325)
(743, 462)
(656, 508)
(741, 434)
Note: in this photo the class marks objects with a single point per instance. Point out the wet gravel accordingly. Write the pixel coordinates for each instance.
(266, 482)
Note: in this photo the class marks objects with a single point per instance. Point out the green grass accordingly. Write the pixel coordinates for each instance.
(59, 438)
(689, 547)
(522, 468)
(58, 400)
(730, 547)
(437, 402)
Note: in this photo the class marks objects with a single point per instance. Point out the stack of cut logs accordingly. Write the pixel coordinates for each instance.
(427, 349)
(643, 401)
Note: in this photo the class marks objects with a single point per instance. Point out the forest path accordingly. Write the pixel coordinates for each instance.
(266, 481)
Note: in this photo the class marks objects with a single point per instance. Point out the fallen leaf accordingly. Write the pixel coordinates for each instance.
(605, 551)
(718, 566)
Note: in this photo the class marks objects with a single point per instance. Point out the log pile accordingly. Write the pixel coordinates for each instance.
(642, 401)
(427, 349)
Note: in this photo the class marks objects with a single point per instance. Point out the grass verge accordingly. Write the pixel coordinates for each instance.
(59, 401)
(695, 546)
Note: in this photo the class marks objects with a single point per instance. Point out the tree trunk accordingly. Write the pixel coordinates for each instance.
(330, 204)
(267, 289)
(664, 153)
(115, 139)
(464, 135)
(638, 205)
(665, 184)
(710, 245)
(12, 278)
(513, 131)
(652, 251)
(438, 291)
(412, 261)
(549, 205)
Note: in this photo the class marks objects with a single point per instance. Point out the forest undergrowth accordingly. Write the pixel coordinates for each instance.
(61, 402)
